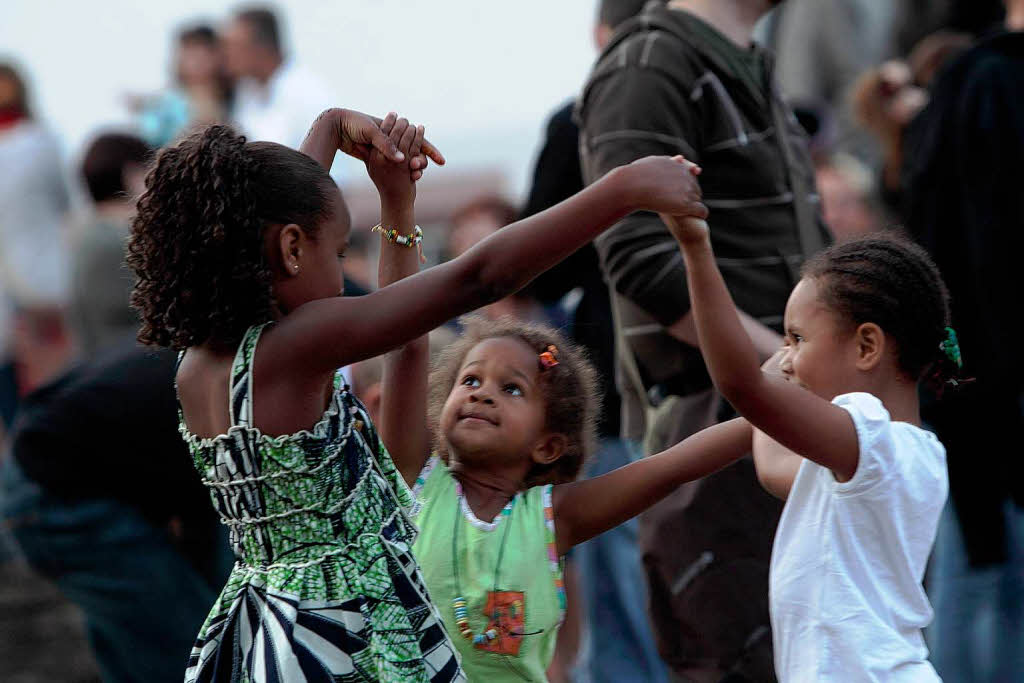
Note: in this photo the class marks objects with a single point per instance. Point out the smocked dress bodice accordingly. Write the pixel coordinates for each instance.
(325, 580)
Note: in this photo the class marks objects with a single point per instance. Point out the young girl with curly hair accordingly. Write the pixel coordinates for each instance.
(839, 438)
(511, 416)
(238, 249)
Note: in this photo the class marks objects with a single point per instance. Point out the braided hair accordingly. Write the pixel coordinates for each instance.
(888, 280)
(197, 242)
(569, 389)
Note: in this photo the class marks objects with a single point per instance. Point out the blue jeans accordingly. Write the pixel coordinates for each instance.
(143, 601)
(618, 644)
(978, 630)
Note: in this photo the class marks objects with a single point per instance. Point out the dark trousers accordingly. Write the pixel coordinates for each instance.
(143, 601)
(706, 550)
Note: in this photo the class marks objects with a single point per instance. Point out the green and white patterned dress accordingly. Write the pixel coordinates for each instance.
(325, 587)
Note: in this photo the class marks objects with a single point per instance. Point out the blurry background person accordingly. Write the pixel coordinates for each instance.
(822, 46)
(963, 202)
(200, 94)
(34, 256)
(102, 498)
(473, 222)
(275, 98)
(847, 189)
(367, 374)
(615, 640)
(114, 170)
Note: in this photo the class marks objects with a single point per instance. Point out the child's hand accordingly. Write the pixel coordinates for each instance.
(359, 134)
(686, 229)
(666, 185)
(395, 181)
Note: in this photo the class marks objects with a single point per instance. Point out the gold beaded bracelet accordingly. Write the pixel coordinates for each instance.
(394, 237)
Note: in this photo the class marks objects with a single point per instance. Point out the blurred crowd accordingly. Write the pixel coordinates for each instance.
(872, 84)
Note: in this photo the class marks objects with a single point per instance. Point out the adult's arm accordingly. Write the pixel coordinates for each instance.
(632, 113)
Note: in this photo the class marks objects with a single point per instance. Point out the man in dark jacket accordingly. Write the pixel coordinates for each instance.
(963, 202)
(687, 79)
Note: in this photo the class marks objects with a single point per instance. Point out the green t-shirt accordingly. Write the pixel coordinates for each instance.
(510, 561)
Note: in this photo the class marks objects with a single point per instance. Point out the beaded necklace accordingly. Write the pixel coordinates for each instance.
(459, 604)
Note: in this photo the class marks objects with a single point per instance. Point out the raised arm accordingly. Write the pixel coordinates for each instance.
(584, 509)
(403, 411)
(798, 419)
(357, 135)
(333, 332)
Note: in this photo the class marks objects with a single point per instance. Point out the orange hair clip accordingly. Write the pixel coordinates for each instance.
(549, 358)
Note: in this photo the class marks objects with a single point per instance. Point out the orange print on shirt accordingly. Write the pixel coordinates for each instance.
(506, 614)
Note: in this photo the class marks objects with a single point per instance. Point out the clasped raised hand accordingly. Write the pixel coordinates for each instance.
(395, 180)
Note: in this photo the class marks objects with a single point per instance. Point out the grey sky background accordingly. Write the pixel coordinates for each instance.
(482, 76)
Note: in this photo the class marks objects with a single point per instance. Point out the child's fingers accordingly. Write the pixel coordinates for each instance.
(419, 162)
(381, 140)
(433, 152)
(417, 142)
(405, 143)
(692, 167)
(401, 125)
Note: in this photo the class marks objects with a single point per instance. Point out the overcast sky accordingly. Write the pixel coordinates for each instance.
(482, 76)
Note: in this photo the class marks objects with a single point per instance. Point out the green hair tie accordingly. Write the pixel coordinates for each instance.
(951, 347)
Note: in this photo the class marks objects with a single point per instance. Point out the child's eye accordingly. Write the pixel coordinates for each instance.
(341, 256)
(470, 381)
(513, 389)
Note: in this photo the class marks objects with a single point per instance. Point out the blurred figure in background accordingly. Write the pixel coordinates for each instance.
(962, 202)
(822, 46)
(113, 169)
(201, 92)
(102, 498)
(34, 255)
(481, 218)
(846, 187)
(613, 640)
(275, 98)
(886, 98)
(367, 374)
(360, 272)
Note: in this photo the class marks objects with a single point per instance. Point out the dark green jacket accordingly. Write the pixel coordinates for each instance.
(670, 84)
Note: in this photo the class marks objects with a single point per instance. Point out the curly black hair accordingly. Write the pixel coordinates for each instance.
(570, 391)
(889, 280)
(197, 242)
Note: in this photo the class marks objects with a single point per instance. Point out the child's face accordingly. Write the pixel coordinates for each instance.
(821, 350)
(496, 410)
